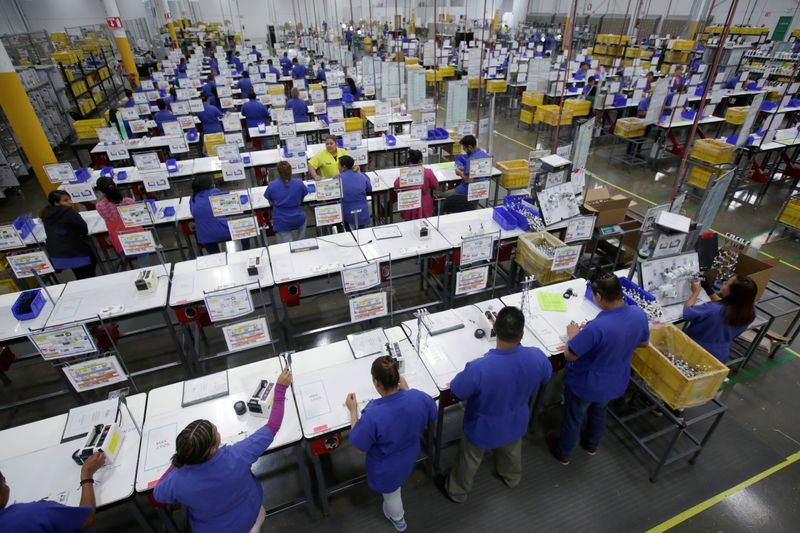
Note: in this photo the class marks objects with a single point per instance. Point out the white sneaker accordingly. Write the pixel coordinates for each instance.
(399, 525)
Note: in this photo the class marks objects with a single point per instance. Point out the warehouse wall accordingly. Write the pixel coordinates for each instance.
(55, 15)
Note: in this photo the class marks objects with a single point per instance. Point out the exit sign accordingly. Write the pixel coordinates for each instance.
(114, 22)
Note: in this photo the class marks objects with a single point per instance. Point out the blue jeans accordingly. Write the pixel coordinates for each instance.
(296, 234)
(575, 410)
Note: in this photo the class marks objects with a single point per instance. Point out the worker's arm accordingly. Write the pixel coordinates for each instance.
(573, 328)
(88, 470)
(693, 298)
(355, 435)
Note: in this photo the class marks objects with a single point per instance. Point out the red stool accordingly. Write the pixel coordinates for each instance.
(105, 336)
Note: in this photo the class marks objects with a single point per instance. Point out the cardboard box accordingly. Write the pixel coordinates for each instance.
(610, 209)
(758, 270)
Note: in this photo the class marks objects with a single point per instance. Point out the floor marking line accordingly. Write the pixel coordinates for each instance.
(529, 147)
(746, 374)
(702, 506)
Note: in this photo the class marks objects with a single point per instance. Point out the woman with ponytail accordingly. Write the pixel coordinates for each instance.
(286, 195)
(107, 209)
(389, 432)
(213, 480)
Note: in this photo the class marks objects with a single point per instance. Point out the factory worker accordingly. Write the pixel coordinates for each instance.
(356, 186)
(469, 145)
(245, 84)
(210, 117)
(298, 106)
(325, 164)
(254, 111)
(286, 195)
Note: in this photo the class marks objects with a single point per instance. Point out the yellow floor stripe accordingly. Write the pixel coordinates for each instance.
(700, 507)
(792, 352)
(529, 147)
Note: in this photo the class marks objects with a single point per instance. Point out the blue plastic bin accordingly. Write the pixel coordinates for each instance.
(28, 304)
(503, 218)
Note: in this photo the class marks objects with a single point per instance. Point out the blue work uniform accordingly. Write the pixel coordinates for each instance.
(299, 72)
(130, 102)
(210, 119)
(273, 70)
(462, 187)
(257, 53)
(321, 74)
(498, 388)
(286, 65)
(286, 200)
(604, 349)
(163, 116)
(355, 188)
(208, 88)
(299, 108)
(210, 229)
(44, 515)
(246, 86)
(255, 112)
(709, 330)
(221, 494)
(389, 432)
(237, 63)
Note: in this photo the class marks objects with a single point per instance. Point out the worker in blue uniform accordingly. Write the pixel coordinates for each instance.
(321, 73)
(286, 64)
(162, 115)
(356, 186)
(210, 117)
(469, 145)
(273, 70)
(129, 101)
(286, 195)
(254, 111)
(298, 70)
(297, 105)
(598, 367)
(498, 388)
(245, 84)
(256, 53)
(209, 85)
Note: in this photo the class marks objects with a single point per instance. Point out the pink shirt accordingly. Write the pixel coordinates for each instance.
(429, 184)
(108, 210)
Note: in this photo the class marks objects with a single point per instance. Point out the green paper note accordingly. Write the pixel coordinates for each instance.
(551, 301)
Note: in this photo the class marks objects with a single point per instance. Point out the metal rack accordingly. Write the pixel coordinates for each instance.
(96, 71)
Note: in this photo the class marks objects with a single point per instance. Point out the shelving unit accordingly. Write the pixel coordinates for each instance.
(775, 66)
(47, 94)
(12, 161)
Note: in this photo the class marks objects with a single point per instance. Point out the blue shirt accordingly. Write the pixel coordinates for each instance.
(163, 116)
(255, 112)
(604, 349)
(299, 108)
(355, 188)
(275, 71)
(286, 200)
(208, 88)
(246, 85)
(286, 65)
(209, 228)
(497, 388)
(237, 63)
(709, 330)
(44, 515)
(221, 494)
(130, 102)
(389, 433)
(257, 53)
(209, 118)
(462, 187)
(299, 71)
(321, 74)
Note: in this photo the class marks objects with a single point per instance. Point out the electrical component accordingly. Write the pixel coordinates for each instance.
(260, 402)
(104, 438)
(423, 230)
(253, 264)
(146, 281)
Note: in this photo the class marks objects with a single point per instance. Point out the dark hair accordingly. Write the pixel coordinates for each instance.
(608, 286)
(331, 137)
(739, 303)
(194, 443)
(583, 63)
(284, 171)
(414, 156)
(128, 93)
(352, 85)
(109, 189)
(294, 60)
(469, 140)
(251, 95)
(386, 371)
(346, 161)
(245, 74)
(161, 104)
(269, 61)
(201, 183)
(52, 199)
(173, 92)
(510, 324)
(203, 97)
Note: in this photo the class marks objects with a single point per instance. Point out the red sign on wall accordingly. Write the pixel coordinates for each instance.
(114, 22)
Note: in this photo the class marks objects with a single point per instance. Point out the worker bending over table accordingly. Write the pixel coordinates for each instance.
(598, 366)
(46, 515)
(498, 388)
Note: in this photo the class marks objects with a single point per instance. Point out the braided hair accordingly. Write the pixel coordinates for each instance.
(194, 443)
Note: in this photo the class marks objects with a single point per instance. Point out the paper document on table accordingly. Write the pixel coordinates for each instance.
(80, 419)
(368, 343)
(442, 322)
(551, 301)
(547, 335)
(205, 388)
(159, 446)
(205, 262)
(436, 360)
(314, 399)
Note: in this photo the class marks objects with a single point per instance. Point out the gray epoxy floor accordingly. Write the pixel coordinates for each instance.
(762, 419)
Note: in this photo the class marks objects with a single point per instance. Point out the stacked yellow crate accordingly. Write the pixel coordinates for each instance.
(578, 107)
(791, 213)
(699, 177)
(530, 100)
(515, 174)
(549, 115)
(86, 129)
(713, 151)
(629, 128)
(736, 115)
(682, 44)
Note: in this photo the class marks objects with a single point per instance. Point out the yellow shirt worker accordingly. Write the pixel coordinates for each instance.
(326, 163)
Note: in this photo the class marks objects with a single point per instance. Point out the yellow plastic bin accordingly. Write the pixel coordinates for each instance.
(515, 173)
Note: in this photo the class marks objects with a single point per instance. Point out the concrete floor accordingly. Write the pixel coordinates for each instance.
(763, 403)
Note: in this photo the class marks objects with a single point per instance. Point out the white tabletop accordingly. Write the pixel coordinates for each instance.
(678, 122)
(457, 226)
(333, 253)
(165, 418)
(11, 328)
(409, 245)
(190, 285)
(83, 300)
(45, 469)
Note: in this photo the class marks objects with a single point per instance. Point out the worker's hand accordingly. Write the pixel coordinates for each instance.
(285, 378)
(403, 383)
(357, 168)
(92, 465)
(572, 329)
(459, 172)
(351, 402)
(695, 287)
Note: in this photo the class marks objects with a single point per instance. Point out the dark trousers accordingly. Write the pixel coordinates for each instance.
(575, 410)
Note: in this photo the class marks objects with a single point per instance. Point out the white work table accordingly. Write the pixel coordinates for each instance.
(11, 328)
(678, 122)
(333, 253)
(38, 466)
(165, 418)
(83, 300)
(190, 285)
(301, 127)
(456, 227)
(409, 245)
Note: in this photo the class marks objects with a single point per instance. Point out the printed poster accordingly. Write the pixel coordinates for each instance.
(247, 334)
(566, 258)
(225, 204)
(229, 304)
(480, 168)
(328, 189)
(359, 278)
(232, 171)
(146, 161)
(117, 152)
(25, 264)
(476, 249)
(407, 200)
(327, 215)
(80, 192)
(478, 190)
(412, 176)
(474, 279)
(96, 373)
(59, 172)
(368, 306)
(242, 228)
(134, 215)
(137, 242)
(155, 181)
(579, 229)
(65, 341)
(9, 238)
